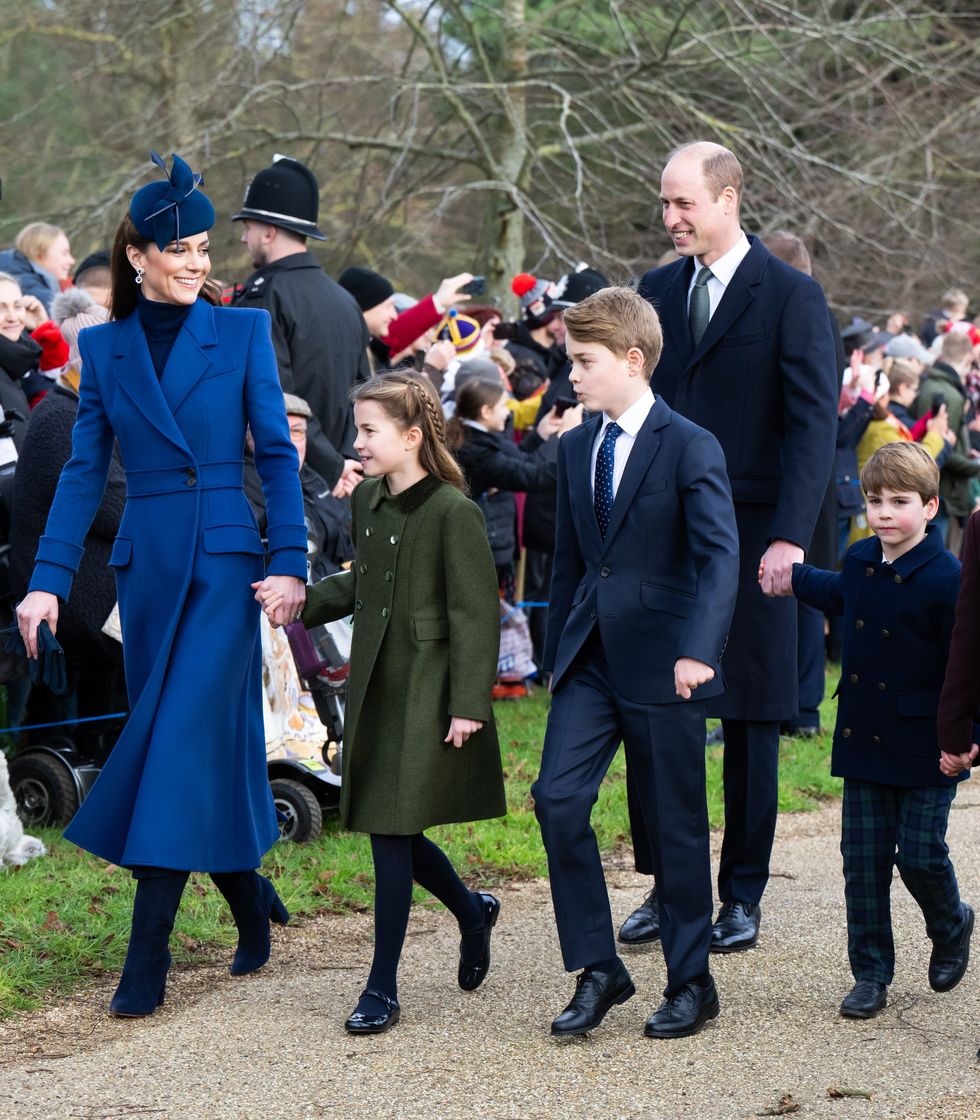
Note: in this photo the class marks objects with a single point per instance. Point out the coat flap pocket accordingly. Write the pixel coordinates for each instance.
(746, 338)
(219, 372)
(652, 486)
(921, 702)
(429, 629)
(664, 599)
(233, 538)
(122, 552)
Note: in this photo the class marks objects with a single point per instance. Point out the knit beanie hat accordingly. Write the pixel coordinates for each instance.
(535, 296)
(463, 332)
(368, 287)
(73, 310)
(54, 349)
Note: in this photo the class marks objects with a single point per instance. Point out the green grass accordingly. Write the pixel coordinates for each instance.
(65, 917)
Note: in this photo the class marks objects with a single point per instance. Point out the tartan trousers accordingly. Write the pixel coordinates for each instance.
(882, 827)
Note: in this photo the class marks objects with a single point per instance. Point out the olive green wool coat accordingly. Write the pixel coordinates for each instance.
(423, 593)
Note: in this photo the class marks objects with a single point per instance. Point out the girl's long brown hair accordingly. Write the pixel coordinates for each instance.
(123, 296)
(412, 403)
(471, 396)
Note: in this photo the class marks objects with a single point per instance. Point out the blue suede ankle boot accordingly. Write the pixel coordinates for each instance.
(144, 976)
(254, 903)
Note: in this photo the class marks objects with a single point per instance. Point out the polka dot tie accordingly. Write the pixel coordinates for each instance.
(602, 494)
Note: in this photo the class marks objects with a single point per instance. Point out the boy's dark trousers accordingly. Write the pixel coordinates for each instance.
(876, 820)
(665, 754)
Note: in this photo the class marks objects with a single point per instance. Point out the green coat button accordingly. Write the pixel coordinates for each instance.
(368, 531)
(389, 576)
(359, 605)
(385, 612)
(393, 539)
(362, 569)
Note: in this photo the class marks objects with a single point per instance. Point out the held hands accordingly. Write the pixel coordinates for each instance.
(282, 598)
(952, 764)
(460, 730)
(689, 675)
(33, 609)
(776, 568)
(352, 474)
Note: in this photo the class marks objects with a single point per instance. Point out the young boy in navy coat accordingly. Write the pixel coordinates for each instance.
(897, 593)
(644, 585)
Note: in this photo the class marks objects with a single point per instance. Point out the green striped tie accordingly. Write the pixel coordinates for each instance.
(699, 311)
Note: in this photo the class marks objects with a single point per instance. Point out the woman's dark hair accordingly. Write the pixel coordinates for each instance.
(122, 298)
(411, 402)
(471, 396)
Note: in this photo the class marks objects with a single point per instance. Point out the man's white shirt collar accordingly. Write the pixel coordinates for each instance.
(724, 267)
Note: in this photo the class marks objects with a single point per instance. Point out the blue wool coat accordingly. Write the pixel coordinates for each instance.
(898, 619)
(185, 786)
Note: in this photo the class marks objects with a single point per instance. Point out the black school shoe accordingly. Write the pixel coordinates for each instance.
(595, 993)
(471, 976)
(948, 962)
(864, 1000)
(361, 1023)
(685, 1012)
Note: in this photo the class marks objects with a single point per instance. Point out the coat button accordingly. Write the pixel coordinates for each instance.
(846, 733)
(191, 476)
(368, 531)
(359, 605)
(393, 539)
(389, 576)
(869, 571)
(886, 633)
(385, 612)
(854, 678)
(362, 568)
(603, 572)
(882, 686)
(859, 625)
(898, 578)
(875, 739)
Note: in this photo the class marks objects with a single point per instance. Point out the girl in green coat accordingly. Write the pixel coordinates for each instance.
(420, 746)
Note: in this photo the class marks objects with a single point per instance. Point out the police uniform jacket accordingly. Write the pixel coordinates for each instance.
(898, 619)
(321, 342)
(185, 786)
(423, 593)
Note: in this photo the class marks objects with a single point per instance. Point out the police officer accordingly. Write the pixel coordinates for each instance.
(317, 329)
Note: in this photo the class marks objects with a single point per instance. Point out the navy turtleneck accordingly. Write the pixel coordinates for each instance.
(161, 324)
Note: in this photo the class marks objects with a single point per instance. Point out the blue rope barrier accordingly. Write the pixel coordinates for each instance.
(60, 723)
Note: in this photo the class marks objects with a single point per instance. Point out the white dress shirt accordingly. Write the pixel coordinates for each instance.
(722, 272)
(631, 421)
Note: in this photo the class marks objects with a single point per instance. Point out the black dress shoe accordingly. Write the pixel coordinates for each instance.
(471, 976)
(864, 1000)
(948, 962)
(643, 925)
(736, 927)
(595, 993)
(361, 1023)
(685, 1012)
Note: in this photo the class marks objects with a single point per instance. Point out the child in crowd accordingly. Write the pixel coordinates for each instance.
(494, 466)
(897, 593)
(420, 743)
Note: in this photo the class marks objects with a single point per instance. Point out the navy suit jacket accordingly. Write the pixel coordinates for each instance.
(662, 584)
(898, 619)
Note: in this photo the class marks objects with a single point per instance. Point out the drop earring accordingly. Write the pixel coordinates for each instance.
(139, 275)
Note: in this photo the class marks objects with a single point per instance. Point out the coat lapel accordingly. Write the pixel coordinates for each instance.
(580, 482)
(191, 355)
(674, 317)
(138, 380)
(645, 447)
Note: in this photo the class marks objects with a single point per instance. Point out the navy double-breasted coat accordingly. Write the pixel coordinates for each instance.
(185, 786)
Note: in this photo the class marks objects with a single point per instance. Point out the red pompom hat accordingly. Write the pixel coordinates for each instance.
(535, 296)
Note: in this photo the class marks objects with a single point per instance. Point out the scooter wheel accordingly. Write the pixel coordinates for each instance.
(43, 789)
(300, 818)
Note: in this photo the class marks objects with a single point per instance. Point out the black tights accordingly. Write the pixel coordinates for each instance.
(397, 861)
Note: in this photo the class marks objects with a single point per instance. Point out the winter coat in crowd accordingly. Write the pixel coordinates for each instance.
(46, 448)
(958, 470)
(32, 278)
(18, 360)
(321, 342)
(494, 467)
(548, 360)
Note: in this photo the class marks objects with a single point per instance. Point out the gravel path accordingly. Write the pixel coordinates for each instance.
(273, 1045)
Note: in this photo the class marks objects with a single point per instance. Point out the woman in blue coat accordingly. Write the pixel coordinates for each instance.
(176, 380)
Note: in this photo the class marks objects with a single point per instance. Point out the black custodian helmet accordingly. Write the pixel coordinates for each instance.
(285, 194)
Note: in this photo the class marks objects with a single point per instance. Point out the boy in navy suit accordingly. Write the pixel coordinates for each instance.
(897, 593)
(644, 585)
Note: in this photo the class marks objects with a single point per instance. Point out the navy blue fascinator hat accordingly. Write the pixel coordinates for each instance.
(172, 208)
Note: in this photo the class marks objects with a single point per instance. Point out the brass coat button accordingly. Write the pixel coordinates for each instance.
(859, 625)
(898, 578)
(846, 733)
(854, 678)
(869, 571)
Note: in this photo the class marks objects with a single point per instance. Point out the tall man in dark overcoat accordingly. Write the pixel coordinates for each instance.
(748, 354)
(318, 330)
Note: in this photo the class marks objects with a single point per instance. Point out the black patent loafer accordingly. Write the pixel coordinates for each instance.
(472, 976)
(948, 962)
(642, 926)
(595, 993)
(736, 928)
(685, 1012)
(864, 1000)
(359, 1023)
